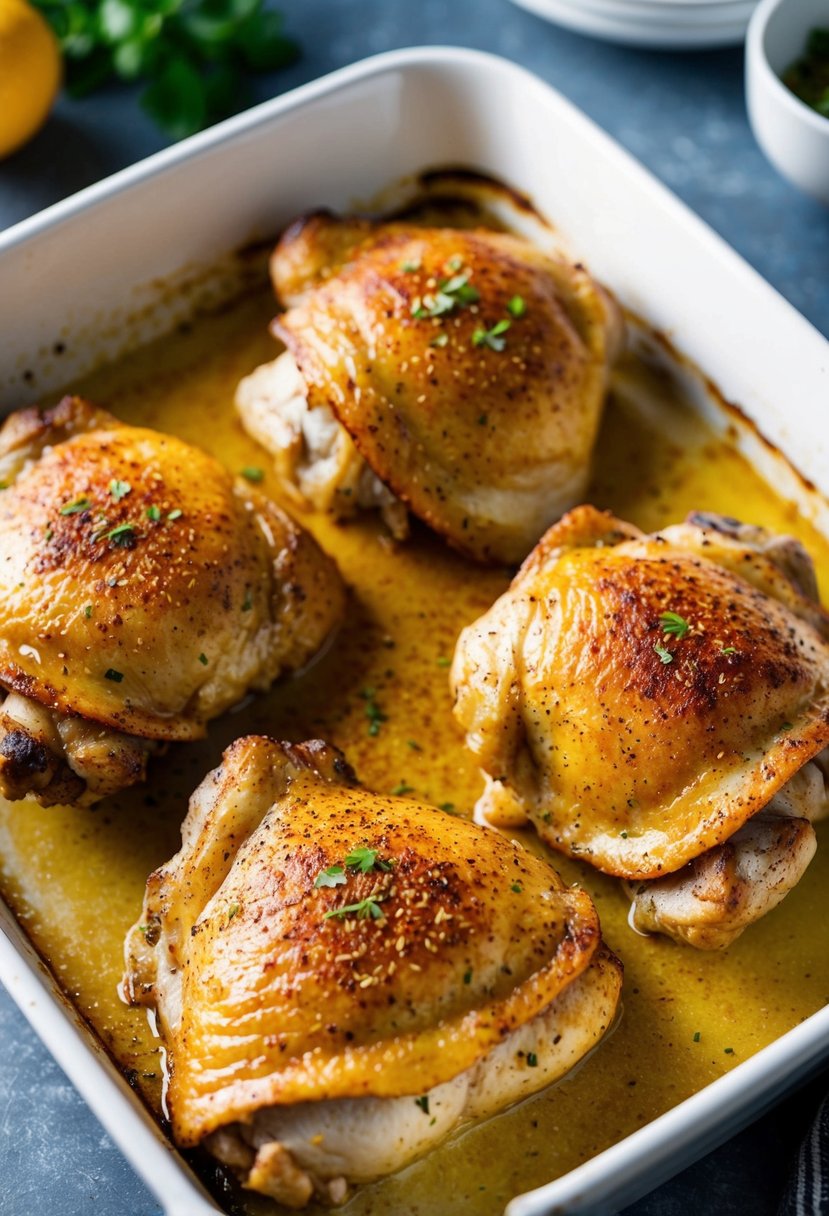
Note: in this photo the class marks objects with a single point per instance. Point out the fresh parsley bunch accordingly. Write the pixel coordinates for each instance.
(192, 54)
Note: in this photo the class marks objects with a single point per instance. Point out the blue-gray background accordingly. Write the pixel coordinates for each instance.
(683, 115)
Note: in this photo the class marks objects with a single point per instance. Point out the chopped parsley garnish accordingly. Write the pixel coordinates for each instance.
(697, 1036)
(122, 535)
(252, 473)
(483, 419)
(119, 489)
(414, 745)
(467, 976)
(87, 611)
(423, 1103)
(365, 860)
(517, 888)
(232, 911)
(624, 835)
(374, 713)
(334, 876)
(444, 662)
(440, 340)
(729, 650)
(665, 655)
(492, 337)
(48, 534)
(77, 504)
(729, 1051)
(455, 263)
(176, 513)
(785, 725)
(453, 292)
(673, 623)
(532, 1059)
(449, 807)
(517, 306)
(153, 513)
(112, 674)
(365, 909)
(203, 659)
(400, 790)
(247, 603)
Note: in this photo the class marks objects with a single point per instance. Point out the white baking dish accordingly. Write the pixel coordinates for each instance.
(92, 276)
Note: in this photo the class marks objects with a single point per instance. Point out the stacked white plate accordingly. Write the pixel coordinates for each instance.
(667, 24)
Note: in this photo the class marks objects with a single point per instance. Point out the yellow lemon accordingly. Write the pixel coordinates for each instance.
(30, 71)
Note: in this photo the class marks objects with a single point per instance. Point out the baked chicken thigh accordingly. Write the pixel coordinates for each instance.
(142, 593)
(657, 706)
(459, 375)
(342, 978)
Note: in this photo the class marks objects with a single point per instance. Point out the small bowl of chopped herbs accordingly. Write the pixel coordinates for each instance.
(787, 89)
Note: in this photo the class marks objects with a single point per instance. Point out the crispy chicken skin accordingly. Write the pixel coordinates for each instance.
(142, 592)
(323, 1035)
(639, 749)
(395, 392)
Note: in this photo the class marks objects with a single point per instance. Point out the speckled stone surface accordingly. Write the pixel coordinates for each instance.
(682, 115)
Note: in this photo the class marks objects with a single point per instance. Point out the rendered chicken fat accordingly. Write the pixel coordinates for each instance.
(457, 374)
(142, 592)
(642, 698)
(333, 969)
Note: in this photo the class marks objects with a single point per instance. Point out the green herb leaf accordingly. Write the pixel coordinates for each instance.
(697, 1036)
(232, 911)
(203, 659)
(728, 650)
(153, 513)
(492, 337)
(532, 1059)
(673, 623)
(123, 535)
(119, 489)
(402, 789)
(361, 859)
(517, 888)
(467, 976)
(74, 507)
(664, 655)
(334, 876)
(517, 306)
(251, 473)
(112, 674)
(365, 909)
(423, 1103)
(87, 611)
(449, 807)
(176, 513)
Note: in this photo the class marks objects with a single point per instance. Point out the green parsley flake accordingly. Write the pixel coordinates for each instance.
(452, 293)
(444, 662)
(334, 876)
(365, 909)
(697, 1036)
(517, 306)
(673, 623)
(252, 473)
(247, 603)
(729, 1051)
(365, 860)
(414, 745)
(492, 337)
(153, 513)
(517, 888)
(728, 650)
(467, 976)
(87, 611)
(112, 674)
(176, 513)
(203, 659)
(664, 655)
(119, 489)
(232, 911)
(74, 507)
(122, 535)
(423, 1103)
(402, 789)
(532, 1059)
(449, 807)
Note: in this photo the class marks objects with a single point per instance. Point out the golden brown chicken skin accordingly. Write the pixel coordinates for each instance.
(641, 698)
(457, 374)
(342, 977)
(142, 592)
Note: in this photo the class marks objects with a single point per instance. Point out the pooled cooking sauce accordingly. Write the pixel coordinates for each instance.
(76, 877)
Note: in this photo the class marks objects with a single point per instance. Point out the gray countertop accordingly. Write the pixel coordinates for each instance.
(683, 115)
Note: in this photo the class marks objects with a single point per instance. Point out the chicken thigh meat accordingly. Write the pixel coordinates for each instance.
(343, 978)
(142, 592)
(657, 706)
(459, 375)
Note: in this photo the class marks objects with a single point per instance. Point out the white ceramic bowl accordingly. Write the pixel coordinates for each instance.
(668, 25)
(793, 136)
